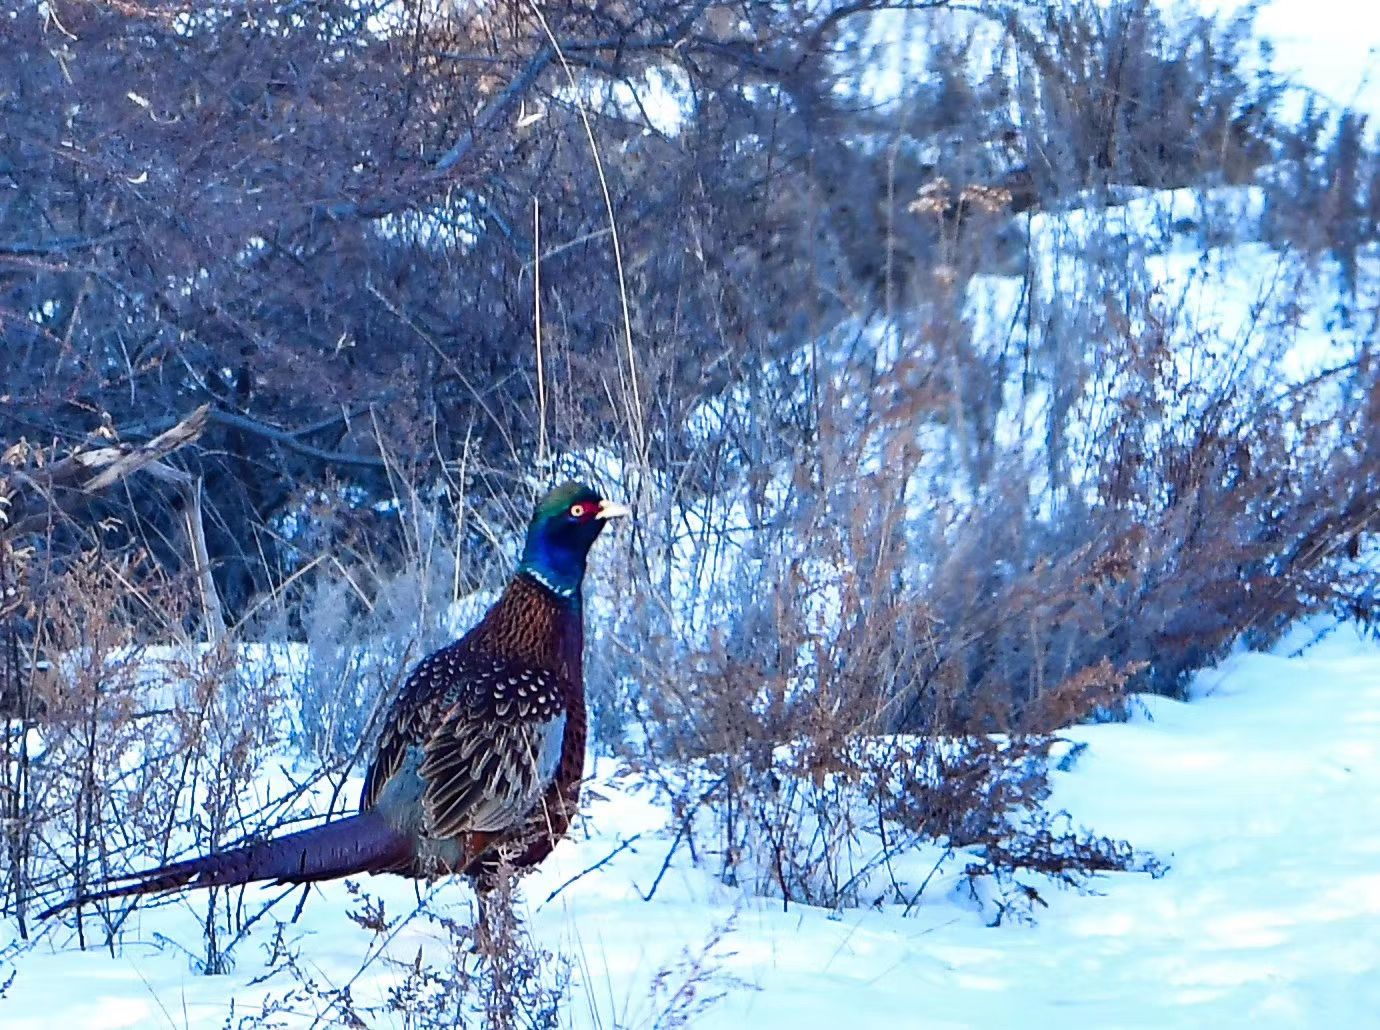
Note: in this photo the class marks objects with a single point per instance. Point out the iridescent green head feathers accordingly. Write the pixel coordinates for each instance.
(566, 523)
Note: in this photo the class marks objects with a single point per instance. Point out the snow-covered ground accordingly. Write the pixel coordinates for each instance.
(1261, 795)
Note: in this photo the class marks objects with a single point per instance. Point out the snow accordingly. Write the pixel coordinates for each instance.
(1328, 48)
(1215, 281)
(1332, 47)
(1261, 794)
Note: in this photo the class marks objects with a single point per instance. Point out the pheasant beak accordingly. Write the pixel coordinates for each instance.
(611, 510)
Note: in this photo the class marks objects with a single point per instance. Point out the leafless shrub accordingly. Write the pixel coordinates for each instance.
(1130, 93)
(131, 751)
(918, 560)
(678, 994)
(1323, 197)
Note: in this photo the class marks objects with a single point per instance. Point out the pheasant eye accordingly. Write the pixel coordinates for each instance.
(577, 510)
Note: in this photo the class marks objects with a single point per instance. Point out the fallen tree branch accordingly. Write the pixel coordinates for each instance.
(30, 496)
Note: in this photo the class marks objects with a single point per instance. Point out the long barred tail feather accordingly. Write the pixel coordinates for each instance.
(363, 843)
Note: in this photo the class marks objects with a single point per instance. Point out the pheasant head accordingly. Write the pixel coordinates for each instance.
(565, 525)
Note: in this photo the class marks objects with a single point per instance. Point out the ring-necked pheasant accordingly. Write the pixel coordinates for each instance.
(480, 759)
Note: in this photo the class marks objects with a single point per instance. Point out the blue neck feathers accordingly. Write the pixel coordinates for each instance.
(554, 567)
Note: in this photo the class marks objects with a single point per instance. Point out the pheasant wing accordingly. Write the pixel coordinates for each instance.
(487, 733)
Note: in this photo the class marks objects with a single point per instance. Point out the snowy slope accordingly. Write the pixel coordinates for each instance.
(1262, 795)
